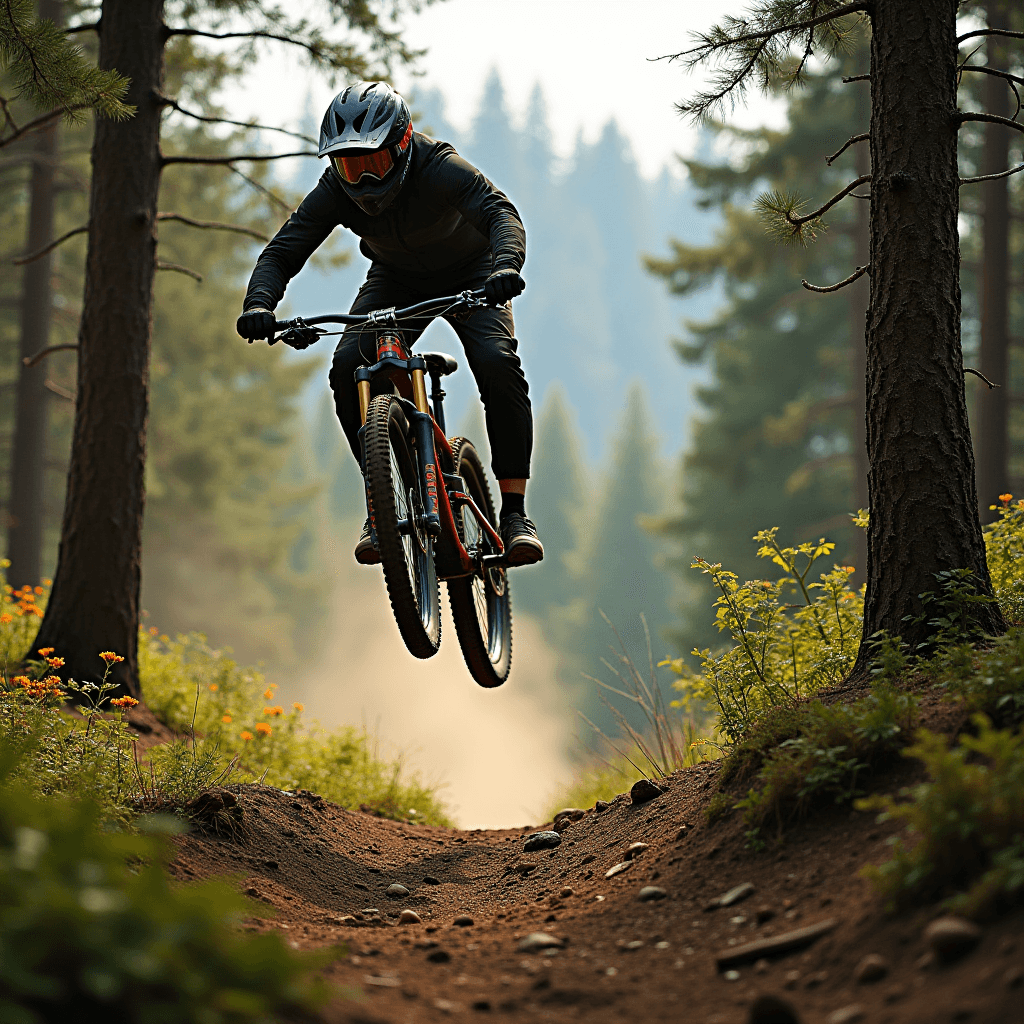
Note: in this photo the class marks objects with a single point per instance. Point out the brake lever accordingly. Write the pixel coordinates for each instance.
(300, 335)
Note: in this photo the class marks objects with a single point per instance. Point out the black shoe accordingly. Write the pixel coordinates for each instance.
(366, 553)
(519, 535)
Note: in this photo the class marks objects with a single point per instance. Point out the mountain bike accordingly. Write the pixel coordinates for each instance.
(427, 496)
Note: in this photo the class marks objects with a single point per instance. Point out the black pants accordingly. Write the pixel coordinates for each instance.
(488, 339)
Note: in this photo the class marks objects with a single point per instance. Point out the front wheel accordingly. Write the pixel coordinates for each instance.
(481, 605)
(396, 511)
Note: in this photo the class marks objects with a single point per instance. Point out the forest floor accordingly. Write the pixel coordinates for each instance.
(325, 872)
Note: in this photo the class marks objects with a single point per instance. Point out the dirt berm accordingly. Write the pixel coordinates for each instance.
(326, 871)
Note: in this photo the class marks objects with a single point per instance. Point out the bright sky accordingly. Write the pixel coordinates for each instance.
(590, 56)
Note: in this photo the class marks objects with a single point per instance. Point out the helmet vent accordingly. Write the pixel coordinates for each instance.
(357, 124)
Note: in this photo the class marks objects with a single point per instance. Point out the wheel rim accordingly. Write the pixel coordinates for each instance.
(415, 542)
(487, 589)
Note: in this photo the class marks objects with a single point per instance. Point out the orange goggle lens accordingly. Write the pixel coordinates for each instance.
(376, 165)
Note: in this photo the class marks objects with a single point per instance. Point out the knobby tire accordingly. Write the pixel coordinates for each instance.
(481, 609)
(407, 560)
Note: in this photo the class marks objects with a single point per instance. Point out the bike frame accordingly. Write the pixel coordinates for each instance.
(426, 429)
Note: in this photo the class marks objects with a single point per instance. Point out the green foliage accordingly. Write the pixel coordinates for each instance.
(817, 752)
(1004, 549)
(205, 693)
(782, 651)
(989, 681)
(92, 929)
(965, 825)
(48, 71)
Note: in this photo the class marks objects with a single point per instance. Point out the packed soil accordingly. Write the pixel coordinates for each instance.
(324, 871)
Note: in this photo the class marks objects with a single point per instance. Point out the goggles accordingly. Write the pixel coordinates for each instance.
(377, 165)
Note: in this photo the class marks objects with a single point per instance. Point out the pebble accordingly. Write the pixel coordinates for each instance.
(871, 968)
(601, 805)
(536, 941)
(370, 911)
(431, 880)
(732, 896)
(635, 849)
(572, 813)
(771, 1010)
(644, 790)
(951, 937)
(634, 945)
(463, 921)
(409, 917)
(439, 956)
(566, 892)
(541, 841)
(618, 869)
(651, 892)
(682, 833)
(847, 1015)
(395, 891)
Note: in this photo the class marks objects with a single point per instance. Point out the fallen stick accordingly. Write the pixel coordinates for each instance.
(775, 945)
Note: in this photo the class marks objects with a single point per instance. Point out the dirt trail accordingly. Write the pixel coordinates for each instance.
(324, 869)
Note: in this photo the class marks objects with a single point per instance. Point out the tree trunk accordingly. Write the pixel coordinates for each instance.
(94, 604)
(25, 514)
(858, 297)
(993, 405)
(924, 506)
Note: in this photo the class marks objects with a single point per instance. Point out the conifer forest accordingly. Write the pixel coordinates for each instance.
(765, 716)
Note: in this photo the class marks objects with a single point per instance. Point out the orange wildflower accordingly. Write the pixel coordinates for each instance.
(47, 583)
(22, 681)
(110, 657)
(1005, 498)
(298, 706)
(273, 712)
(226, 719)
(263, 729)
(5, 618)
(124, 702)
(39, 591)
(55, 662)
(849, 568)
(153, 631)
(46, 651)
(246, 735)
(214, 687)
(268, 693)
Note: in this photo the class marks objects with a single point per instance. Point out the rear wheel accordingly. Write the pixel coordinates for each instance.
(481, 606)
(396, 508)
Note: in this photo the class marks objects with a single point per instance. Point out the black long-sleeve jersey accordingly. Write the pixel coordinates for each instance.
(447, 221)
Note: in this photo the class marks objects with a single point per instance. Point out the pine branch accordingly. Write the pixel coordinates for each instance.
(781, 211)
(228, 160)
(859, 272)
(37, 124)
(50, 246)
(992, 177)
(991, 119)
(61, 392)
(846, 145)
(316, 49)
(1011, 80)
(214, 225)
(174, 105)
(856, 78)
(179, 269)
(978, 373)
(762, 44)
(989, 32)
(35, 360)
(272, 196)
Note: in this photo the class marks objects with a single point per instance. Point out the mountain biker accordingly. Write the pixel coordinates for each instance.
(431, 224)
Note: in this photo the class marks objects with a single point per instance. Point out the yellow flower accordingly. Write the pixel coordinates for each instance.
(22, 681)
(226, 719)
(46, 651)
(214, 687)
(263, 728)
(298, 706)
(55, 662)
(124, 702)
(246, 735)
(110, 657)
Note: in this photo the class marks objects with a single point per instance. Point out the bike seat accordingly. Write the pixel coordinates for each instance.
(439, 363)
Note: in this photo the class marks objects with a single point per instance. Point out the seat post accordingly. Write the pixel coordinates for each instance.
(437, 394)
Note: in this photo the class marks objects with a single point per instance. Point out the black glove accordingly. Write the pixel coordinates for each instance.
(256, 324)
(503, 285)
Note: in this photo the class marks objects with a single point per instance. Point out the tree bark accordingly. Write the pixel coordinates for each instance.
(924, 506)
(25, 513)
(94, 604)
(993, 405)
(858, 298)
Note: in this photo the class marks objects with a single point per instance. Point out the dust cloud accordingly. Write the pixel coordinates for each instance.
(499, 754)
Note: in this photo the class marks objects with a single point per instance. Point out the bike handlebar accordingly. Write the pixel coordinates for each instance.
(384, 316)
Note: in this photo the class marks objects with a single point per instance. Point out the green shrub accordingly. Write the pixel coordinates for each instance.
(989, 682)
(966, 823)
(1004, 547)
(781, 651)
(92, 930)
(232, 711)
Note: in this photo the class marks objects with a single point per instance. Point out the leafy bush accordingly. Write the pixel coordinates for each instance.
(989, 682)
(782, 651)
(817, 752)
(1004, 547)
(967, 822)
(232, 710)
(92, 930)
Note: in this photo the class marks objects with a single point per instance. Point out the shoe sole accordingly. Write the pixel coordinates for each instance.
(525, 553)
(367, 555)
